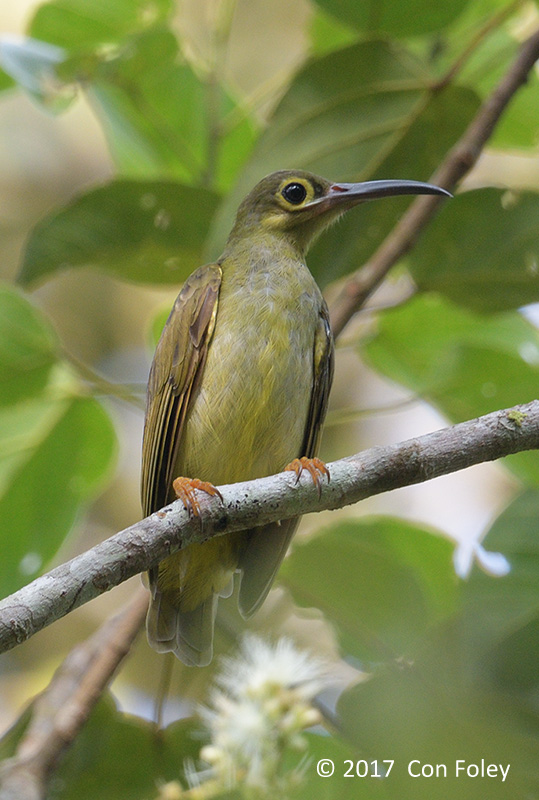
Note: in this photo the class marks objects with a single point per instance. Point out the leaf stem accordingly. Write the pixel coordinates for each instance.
(220, 36)
(492, 23)
(100, 385)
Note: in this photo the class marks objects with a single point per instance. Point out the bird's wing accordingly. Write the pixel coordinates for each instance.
(176, 369)
(268, 544)
(324, 365)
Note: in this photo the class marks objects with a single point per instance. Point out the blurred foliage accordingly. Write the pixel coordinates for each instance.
(453, 665)
(127, 751)
(471, 690)
(467, 365)
(371, 17)
(128, 228)
(496, 270)
(57, 443)
(343, 568)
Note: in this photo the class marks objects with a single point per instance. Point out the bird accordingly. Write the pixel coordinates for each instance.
(238, 390)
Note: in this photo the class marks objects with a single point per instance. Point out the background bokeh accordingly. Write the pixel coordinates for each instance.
(258, 51)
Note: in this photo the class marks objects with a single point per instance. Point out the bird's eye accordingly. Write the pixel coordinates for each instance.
(295, 193)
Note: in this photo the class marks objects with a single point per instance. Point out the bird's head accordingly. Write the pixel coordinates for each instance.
(299, 205)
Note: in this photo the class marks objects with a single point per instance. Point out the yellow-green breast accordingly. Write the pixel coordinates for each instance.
(248, 416)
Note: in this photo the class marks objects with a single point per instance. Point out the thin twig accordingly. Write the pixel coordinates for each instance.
(458, 163)
(343, 416)
(61, 710)
(214, 78)
(253, 503)
(493, 22)
(101, 385)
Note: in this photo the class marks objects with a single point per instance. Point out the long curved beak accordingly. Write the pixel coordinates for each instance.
(350, 194)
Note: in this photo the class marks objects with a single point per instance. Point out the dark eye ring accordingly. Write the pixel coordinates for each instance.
(295, 193)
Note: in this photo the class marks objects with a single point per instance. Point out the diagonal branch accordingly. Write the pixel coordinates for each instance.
(458, 162)
(61, 710)
(252, 503)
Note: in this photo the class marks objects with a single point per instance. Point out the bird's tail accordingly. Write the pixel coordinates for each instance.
(187, 634)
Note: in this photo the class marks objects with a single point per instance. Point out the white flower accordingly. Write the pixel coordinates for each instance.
(262, 666)
(495, 564)
(258, 709)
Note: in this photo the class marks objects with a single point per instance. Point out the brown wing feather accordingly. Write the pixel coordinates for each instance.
(177, 367)
(268, 544)
(324, 365)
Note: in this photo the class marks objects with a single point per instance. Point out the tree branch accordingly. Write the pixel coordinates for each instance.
(253, 503)
(458, 162)
(61, 710)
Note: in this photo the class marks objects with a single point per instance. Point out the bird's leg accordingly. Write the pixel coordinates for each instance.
(314, 466)
(185, 491)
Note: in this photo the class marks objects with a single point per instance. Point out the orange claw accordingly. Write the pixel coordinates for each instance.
(185, 491)
(314, 466)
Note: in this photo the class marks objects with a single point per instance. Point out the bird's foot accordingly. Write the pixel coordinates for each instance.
(185, 489)
(314, 466)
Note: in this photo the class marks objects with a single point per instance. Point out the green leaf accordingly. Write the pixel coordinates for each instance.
(115, 749)
(234, 145)
(471, 693)
(424, 714)
(493, 270)
(386, 124)
(148, 231)
(519, 124)
(381, 581)
(475, 33)
(464, 364)
(118, 750)
(155, 113)
(78, 24)
(6, 82)
(327, 33)
(397, 19)
(323, 121)
(57, 461)
(423, 342)
(501, 626)
(23, 425)
(153, 109)
(525, 466)
(479, 380)
(467, 365)
(493, 50)
(55, 445)
(11, 738)
(28, 348)
(486, 65)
